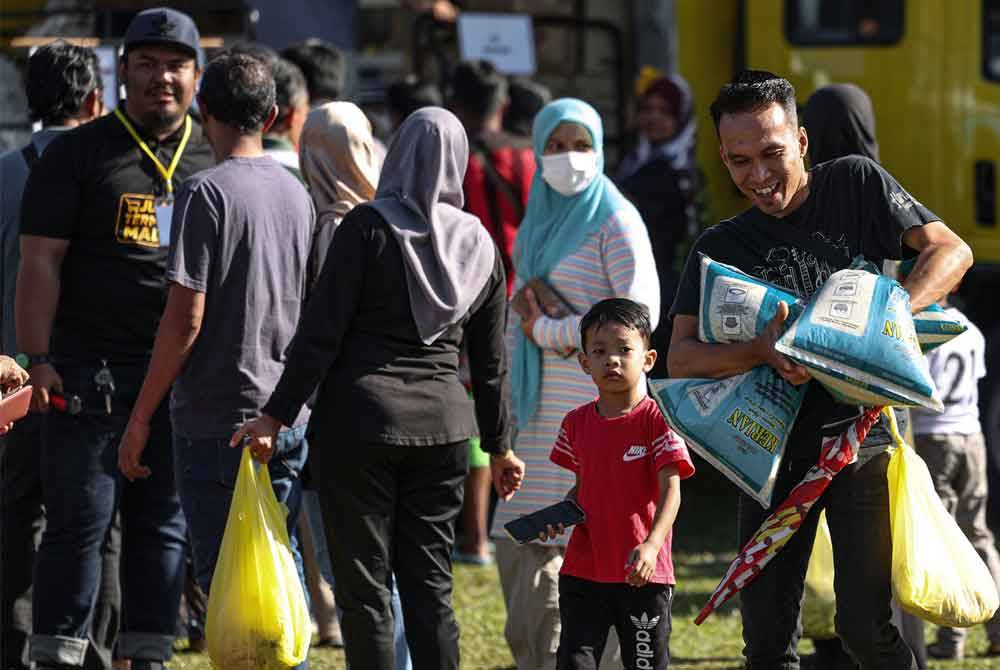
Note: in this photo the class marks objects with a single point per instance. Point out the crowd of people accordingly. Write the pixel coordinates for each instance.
(410, 335)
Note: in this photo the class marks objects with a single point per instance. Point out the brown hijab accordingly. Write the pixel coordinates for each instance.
(338, 158)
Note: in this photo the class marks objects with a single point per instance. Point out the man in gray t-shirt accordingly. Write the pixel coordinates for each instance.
(239, 245)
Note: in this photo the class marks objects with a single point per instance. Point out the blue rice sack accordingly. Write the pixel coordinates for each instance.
(736, 307)
(738, 424)
(857, 338)
(934, 326)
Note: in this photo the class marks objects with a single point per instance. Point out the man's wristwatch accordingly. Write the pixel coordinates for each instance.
(28, 361)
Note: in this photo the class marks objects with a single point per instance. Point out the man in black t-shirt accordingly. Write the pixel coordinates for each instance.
(64, 90)
(804, 226)
(95, 224)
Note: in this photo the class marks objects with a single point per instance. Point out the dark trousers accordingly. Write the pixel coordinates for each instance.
(641, 617)
(857, 511)
(22, 520)
(82, 490)
(391, 509)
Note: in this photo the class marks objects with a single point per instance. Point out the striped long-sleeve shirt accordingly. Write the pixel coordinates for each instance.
(615, 262)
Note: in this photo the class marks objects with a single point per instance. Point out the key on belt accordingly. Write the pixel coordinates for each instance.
(105, 382)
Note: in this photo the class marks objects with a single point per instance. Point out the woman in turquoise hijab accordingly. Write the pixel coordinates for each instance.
(581, 238)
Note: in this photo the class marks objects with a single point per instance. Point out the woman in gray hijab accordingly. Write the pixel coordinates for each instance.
(408, 278)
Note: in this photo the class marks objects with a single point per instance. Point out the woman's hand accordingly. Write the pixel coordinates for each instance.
(260, 434)
(529, 311)
(507, 471)
(12, 375)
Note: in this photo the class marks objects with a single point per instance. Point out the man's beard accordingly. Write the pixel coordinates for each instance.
(159, 120)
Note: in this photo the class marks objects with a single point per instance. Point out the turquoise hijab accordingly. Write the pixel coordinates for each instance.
(555, 226)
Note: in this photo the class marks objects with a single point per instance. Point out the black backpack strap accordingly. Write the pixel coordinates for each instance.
(30, 154)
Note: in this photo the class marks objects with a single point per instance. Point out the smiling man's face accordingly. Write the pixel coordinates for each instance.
(764, 151)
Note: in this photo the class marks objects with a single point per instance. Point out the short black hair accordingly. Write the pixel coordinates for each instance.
(478, 89)
(289, 87)
(289, 83)
(58, 79)
(410, 94)
(527, 98)
(622, 311)
(752, 90)
(261, 52)
(324, 67)
(237, 90)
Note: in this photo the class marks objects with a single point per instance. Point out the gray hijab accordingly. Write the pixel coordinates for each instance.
(447, 253)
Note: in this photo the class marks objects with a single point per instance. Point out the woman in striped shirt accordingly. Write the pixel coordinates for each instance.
(585, 241)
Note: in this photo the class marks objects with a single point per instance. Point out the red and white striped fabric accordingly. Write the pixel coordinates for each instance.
(787, 517)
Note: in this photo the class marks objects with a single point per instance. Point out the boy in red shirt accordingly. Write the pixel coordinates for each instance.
(628, 465)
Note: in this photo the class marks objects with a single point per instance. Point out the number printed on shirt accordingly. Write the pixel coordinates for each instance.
(961, 368)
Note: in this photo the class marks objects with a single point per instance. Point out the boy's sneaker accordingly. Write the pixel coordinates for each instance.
(140, 664)
(935, 650)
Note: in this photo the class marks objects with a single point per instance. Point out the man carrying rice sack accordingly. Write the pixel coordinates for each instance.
(802, 227)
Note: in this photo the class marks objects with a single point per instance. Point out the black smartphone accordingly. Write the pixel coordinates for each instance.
(527, 528)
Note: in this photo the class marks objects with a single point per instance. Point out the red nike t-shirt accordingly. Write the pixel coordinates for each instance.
(617, 461)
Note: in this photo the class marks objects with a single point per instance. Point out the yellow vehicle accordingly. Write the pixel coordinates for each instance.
(932, 69)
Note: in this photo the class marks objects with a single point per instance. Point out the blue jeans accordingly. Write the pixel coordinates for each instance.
(82, 489)
(206, 477)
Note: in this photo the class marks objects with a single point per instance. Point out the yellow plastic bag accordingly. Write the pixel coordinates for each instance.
(936, 573)
(257, 613)
(820, 603)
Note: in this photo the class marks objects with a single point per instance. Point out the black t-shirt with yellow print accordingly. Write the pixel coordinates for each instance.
(96, 188)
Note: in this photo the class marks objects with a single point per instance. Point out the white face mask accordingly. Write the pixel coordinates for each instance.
(571, 172)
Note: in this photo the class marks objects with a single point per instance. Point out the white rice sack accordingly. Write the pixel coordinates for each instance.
(739, 424)
(736, 307)
(857, 338)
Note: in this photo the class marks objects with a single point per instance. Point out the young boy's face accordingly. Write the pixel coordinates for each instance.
(615, 357)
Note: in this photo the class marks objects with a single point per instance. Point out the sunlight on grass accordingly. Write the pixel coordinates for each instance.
(714, 645)
(705, 538)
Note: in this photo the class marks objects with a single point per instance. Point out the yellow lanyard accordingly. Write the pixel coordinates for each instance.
(166, 172)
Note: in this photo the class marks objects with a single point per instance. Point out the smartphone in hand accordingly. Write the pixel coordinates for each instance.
(528, 527)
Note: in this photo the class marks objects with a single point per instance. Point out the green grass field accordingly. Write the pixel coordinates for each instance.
(705, 532)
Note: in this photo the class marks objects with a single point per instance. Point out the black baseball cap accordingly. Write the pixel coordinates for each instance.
(163, 26)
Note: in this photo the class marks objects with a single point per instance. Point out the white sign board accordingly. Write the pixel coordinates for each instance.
(506, 40)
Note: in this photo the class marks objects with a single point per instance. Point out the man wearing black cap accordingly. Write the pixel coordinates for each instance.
(95, 227)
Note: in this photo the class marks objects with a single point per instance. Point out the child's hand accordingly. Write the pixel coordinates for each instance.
(551, 532)
(642, 561)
